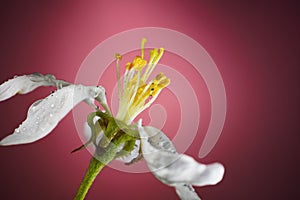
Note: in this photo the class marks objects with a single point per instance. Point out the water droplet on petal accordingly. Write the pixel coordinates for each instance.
(52, 105)
(17, 130)
(51, 115)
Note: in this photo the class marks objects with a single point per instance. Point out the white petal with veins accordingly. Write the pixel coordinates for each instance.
(44, 115)
(24, 84)
(175, 169)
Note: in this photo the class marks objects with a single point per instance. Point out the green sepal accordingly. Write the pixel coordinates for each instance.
(128, 147)
(113, 128)
(109, 133)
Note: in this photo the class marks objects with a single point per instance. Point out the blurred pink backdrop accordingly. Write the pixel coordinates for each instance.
(255, 46)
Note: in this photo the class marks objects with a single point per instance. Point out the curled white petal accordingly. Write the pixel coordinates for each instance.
(88, 132)
(184, 169)
(101, 96)
(44, 115)
(25, 84)
(172, 168)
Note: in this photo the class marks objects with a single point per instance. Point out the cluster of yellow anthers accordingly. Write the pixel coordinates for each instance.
(136, 95)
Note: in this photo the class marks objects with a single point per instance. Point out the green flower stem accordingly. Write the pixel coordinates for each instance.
(101, 158)
(94, 168)
(104, 153)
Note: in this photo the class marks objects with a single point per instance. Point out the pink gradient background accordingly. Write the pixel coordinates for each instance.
(255, 46)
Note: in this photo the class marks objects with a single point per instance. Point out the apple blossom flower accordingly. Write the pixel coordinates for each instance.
(113, 137)
(135, 95)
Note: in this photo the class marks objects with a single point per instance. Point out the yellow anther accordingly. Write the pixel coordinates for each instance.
(153, 55)
(129, 65)
(158, 83)
(158, 57)
(118, 56)
(141, 95)
(159, 77)
(139, 63)
(164, 83)
(160, 86)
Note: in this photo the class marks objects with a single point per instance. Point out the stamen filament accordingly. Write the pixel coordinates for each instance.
(118, 57)
(135, 88)
(154, 58)
(143, 47)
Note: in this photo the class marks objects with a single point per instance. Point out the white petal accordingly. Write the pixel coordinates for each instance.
(184, 169)
(172, 168)
(87, 132)
(24, 84)
(44, 115)
(157, 138)
(95, 119)
(186, 192)
(102, 96)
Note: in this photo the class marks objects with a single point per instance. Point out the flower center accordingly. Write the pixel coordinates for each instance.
(135, 95)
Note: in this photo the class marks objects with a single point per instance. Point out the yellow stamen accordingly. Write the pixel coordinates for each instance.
(158, 57)
(143, 47)
(154, 58)
(137, 95)
(118, 57)
(129, 65)
(139, 63)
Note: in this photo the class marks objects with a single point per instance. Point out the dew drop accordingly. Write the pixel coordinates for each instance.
(52, 105)
(51, 115)
(17, 130)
